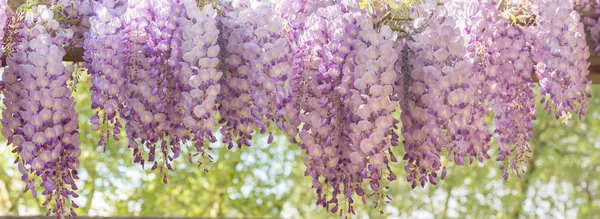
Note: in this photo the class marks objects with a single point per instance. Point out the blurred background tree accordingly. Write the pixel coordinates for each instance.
(561, 180)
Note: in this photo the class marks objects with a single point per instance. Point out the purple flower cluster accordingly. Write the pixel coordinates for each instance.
(149, 91)
(11, 24)
(323, 117)
(255, 88)
(438, 113)
(40, 119)
(371, 99)
(513, 100)
(154, 64)
(478, 26)
(323, 72)
(561, 53)
(76, 14)
(236, 98)
(197, 73)
(343, 99)
(294, 14)
(477, 21)
(106, 67)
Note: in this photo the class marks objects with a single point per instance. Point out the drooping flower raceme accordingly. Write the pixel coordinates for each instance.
(105, 63)
(271, 88)
(75, 15)
(502, 67)
(145, 90)
(371, 99)
(561, 53)
(322, 114)
(343, 100)
(40, 120)
(422, 133)
(171, 69)
(478, 23)
(438, 111)
(255, 88)
(512, 100)
(236, 102)
(154, 65)
(198, 72)
(294, 14)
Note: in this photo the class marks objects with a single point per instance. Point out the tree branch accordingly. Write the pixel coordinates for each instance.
(590, 14)
(14, 4)
(446, 203)
(88, 202)
(565, 152)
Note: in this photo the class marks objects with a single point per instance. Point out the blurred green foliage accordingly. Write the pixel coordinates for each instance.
(561, 180)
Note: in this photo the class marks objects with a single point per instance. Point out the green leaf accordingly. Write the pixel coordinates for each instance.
(363, 4)
(392, 4)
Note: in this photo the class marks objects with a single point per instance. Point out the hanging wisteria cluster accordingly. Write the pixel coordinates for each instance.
(347, 81)
(40, 121)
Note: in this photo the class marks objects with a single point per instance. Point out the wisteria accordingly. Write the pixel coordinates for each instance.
(155, 68)
(488, 46)
(3, 21)
(148, 91)
(105, 65)
(478, 26)
(294, 14)
(347, 81)
(74, 17)
(256, 84)
(561, 53)
(371, 99)
(199, 75)
(439, 112)
(322, 88)
(344, 84)
(40, 121)
(236, 98)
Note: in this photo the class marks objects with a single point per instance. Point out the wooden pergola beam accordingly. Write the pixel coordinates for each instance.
(594, 75)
